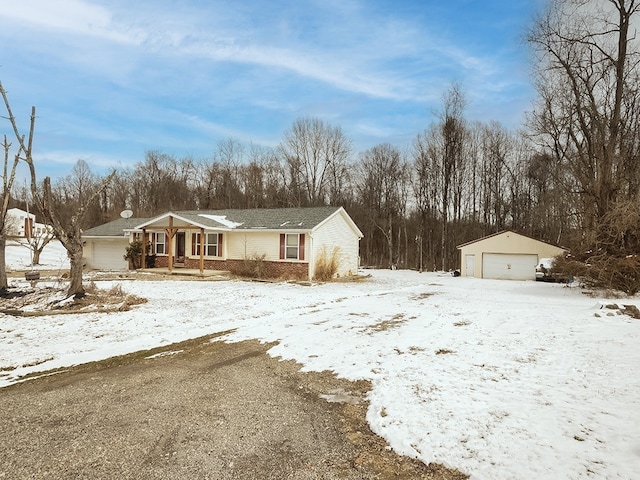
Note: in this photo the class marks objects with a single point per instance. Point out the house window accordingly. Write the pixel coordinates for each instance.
(211, 246)
(292, 246)
(159, 242)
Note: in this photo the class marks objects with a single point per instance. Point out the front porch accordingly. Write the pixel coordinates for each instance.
(187, 272)
(172, 252)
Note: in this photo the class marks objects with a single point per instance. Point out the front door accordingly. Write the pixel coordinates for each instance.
(180, 239)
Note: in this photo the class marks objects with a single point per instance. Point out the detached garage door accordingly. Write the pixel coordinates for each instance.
(505, 266)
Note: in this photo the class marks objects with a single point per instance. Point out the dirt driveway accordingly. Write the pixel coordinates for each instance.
(206, 411)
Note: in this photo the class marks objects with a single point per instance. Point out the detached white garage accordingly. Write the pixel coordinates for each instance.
(504, 256)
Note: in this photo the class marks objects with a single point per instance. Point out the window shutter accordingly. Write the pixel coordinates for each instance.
(193, 244)
(219, 244)
(282, 246)
(301, 249)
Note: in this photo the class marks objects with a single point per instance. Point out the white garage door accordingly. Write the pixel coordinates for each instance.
(504, 266)
(109, 255)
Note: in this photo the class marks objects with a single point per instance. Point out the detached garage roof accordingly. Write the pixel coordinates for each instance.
(507, 233)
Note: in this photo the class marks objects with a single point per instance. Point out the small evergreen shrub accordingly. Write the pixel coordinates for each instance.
(134, 253)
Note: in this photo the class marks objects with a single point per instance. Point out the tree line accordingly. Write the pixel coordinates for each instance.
(458, 181)
(569, 177)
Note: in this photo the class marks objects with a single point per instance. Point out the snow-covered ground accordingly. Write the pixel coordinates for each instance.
(53, 257)
(500, 379)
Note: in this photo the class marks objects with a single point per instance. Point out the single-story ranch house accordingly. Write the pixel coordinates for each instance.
(505, 256)
(288, 241)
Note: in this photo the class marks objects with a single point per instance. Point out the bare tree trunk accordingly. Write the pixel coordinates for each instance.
(7, 184)
(4, 283)
(390, 240)
(36, 256)
(74, 252)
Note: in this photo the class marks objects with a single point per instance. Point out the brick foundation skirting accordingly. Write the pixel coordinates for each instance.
(297, 270)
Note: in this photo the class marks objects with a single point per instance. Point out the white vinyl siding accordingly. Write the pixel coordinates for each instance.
(242, 245)
(337, 233)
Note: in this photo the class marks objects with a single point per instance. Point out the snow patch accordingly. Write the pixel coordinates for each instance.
(222, 219)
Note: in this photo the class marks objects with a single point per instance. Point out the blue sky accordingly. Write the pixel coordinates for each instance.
(112, 79)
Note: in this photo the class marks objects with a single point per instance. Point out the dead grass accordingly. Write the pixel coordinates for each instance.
(385, 325)
(327, 264)
(462, 323)
(39, 301)
(444, 351)
(254, 266)
(422, 296)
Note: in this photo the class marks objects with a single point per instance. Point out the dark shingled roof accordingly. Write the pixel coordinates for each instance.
(113, 229)
(262, 218)
(252, 219)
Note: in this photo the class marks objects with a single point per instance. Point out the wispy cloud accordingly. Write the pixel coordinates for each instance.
(76, 17)
(131, 76)
(368, 51)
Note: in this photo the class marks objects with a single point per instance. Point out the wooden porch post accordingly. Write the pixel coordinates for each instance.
(170, 234)
(202, 243)
(143, 262)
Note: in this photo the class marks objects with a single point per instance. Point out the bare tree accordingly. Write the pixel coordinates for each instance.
(427, 189)
(8, 177)
(440, 167)
(382, 186)
(69, 233)
(225, 171)
(587, 77)
(314, 151)
(586, 120)
(37, 241)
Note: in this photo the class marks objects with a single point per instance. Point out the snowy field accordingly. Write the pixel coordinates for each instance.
(53, 257)
(500, 379)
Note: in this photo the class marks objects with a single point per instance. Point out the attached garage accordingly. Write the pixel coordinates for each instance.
(504, 256)
(104, 246)
(106, 254)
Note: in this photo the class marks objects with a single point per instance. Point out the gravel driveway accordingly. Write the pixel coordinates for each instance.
(209, 410)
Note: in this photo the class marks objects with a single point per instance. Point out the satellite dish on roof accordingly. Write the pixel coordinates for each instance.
(126, 213)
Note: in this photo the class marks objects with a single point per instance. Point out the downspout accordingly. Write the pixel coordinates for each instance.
(312, 256)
